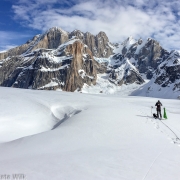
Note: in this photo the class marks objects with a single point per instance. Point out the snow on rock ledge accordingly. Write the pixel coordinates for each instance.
(166, 80)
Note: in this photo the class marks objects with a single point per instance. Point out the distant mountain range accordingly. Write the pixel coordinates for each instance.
(67, 61)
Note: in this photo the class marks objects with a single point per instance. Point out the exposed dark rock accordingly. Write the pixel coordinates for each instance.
(58, 59)
(168, 73)
(126, 73)
(40, 70)
(49, 40)
(99, 44)
(148, 54)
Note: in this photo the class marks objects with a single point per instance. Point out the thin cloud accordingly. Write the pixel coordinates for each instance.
(8, 38)
(4, 48)
(118, 18)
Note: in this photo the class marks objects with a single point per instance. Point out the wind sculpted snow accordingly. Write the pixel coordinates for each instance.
(101, 137)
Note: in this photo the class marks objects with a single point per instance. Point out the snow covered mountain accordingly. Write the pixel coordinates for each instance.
(166, 79)
(54, 37)
(69, 61)
(52, 135)
(145, 55)
(134, 60)
(124, 73)
(68, 67)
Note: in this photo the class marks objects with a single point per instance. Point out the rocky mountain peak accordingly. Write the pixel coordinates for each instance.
(55, 36)
(128, 42)
(102, 35)
(140, 41)
(56, 29)
(51, 39)
(147, 54)
(34, 38)
(68, 67)
(61, 60)
(78, 34)
(168, 72)
(99, 44)
(125, 73)
(166, 79)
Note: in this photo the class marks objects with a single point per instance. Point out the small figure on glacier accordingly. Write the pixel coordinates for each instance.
(158, 109)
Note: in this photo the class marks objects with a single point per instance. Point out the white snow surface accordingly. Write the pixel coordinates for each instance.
(101, 137)
(150, 89)
(104, 86)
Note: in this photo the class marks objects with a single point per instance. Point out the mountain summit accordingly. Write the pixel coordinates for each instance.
(58, 59)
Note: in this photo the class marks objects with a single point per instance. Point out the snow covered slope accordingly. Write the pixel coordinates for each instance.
(166, 80)
(82, 136)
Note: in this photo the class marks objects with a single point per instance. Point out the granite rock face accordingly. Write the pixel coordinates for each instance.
(125, 73)
(145, 54)
(52, 39)
(61, 60)
(67, 68)
(150, 56)
(168, 73)
(81, 69)
(165, 82)
(49, 40)
(20, 49)
(99, 44)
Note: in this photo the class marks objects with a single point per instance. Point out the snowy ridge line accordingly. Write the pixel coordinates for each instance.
(175, 141)
(32, 45)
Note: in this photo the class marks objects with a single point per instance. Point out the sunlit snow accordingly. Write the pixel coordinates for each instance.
(61, 135)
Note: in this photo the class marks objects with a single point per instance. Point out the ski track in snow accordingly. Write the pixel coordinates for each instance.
(86, 136)
(152, 165)
(167, 131)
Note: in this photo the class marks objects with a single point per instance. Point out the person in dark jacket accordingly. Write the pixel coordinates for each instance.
(158, 108)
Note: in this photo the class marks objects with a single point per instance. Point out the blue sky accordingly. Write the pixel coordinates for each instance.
(20, 20)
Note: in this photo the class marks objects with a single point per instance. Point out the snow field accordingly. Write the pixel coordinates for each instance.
(101, 137)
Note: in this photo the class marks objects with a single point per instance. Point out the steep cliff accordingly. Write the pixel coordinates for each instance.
(67, 68)
(51, 39)
(146, 55)
(166, 79)
(99, 44)
(67, 61)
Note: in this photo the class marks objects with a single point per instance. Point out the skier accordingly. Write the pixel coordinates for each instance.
(158, 108)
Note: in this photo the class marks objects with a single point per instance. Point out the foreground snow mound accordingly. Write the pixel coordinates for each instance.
(99, 137)
(28, 114)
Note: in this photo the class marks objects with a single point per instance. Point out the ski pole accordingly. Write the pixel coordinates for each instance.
(151, 110)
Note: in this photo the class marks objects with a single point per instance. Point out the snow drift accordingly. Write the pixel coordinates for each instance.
(101, 137)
